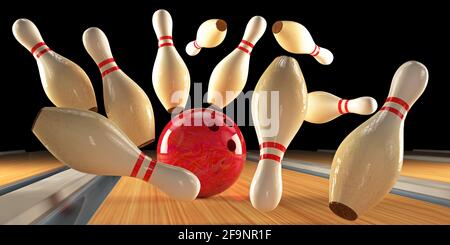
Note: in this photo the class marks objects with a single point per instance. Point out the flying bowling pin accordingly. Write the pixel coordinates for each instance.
(281, 93)
(64, 82)
(230, 75)
(324, 107)
(90, 143)
(295, 38)
(171, 79)
(367, 163)
(126, 104)
(210, 34)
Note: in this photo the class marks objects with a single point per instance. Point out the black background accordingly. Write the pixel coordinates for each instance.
(370, 40)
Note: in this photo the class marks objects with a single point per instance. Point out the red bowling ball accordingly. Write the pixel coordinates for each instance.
(207, 143)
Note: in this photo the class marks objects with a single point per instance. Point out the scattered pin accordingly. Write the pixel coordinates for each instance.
(126, 104)
(210, 34)
(171, 79)
(324, 107)
(281, 93)
(90, 143)
(230, 75)
(367, 163)
(64, 82)
(295, 38)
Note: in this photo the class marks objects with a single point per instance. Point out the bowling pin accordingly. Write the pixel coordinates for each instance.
(171, 79)
(295, 38)
(90, 143)
(210, 34)
(367, 163)
(64, 82)
(230, 75)
(324, 107)
(287, 109)
(126, 104)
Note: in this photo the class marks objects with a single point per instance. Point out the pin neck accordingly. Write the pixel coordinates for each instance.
(246, 46)
(271, 144)
(196, 45)
(142, 169)
(39, 49)
(396, 101)
(272, 151)
(316, 51)
(343, 106)
(105, 62)
(270, 157)
(165, 41)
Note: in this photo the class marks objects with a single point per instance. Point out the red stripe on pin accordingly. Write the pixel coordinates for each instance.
(106, 72)
(340, 106)
(137, 165)
(165, 37)
(165, 44)
(316, 51)
(247, 43)
(393, 110)
(105, 62)
(196, 45)
(35, 47)
(398, 101)
(42, 52)
(244, 49)
(271, 144)
(346, 106)
(270, 156)
(149, 171)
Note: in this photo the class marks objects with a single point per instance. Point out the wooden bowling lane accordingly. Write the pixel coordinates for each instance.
(305, 201)
(20, 166)
(439, 171)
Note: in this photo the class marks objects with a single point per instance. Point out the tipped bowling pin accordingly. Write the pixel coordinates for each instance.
(295, 38)
(230, 75)
(171, 79)
(90, 143)
(324, 107)
(126, 104)
(210, 34)
(281, 93)
(64, 82)
(367, 163)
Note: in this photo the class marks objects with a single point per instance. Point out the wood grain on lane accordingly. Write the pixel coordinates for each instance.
(16, 167)
(305, 201)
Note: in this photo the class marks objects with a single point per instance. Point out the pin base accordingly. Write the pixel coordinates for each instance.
(221, 25)
(343, 211)
(277, 26)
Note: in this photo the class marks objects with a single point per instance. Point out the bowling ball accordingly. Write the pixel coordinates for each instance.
(207, 143)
